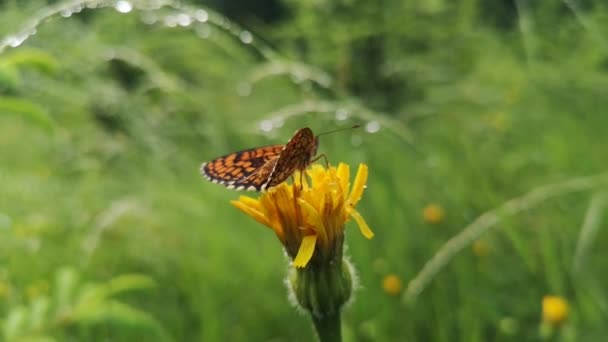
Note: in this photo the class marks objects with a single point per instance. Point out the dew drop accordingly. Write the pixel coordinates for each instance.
(266, 125)
(66, 13)
(154, 4)
(341, 114)
(201, 15)
(244, 89)
(123, 6)
(246, 37)
(203, 30)
(184, 20)
(372, 127)
(170, 21)
(149, 18)
(77, 8)
(14, 41)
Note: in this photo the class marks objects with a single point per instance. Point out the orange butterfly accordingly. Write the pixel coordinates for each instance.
(262, 168)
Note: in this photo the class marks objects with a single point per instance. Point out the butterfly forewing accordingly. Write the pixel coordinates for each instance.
(239, 166)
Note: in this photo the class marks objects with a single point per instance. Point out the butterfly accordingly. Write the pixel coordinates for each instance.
(262, 168)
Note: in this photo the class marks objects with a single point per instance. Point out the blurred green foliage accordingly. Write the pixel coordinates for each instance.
(106, 116)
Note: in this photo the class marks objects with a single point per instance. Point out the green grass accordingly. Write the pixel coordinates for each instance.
(104, 122)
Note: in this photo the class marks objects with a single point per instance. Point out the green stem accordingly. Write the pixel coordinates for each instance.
(328, 327)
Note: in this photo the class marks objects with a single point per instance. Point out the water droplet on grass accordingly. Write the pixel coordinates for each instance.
(14, 41)
(149, 18)
(184, 20)
(341, 114)
(123, 6)
(170, 21)
(266, 125)
(201, 15)
(246, 37)
(203, 30)
(66, 13)
(372, 127)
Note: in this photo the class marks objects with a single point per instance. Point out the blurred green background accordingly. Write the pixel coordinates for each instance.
(109, 233)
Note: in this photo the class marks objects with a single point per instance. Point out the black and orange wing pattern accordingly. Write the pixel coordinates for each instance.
(247, 169)
(263, 167)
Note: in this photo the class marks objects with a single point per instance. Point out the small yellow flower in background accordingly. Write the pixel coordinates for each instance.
(4, 289)
(499, 121)
(37, 289)
(555, 310)
(433, 213)
(512, 95)
(309, 219)
(481, 248)
(392, 284)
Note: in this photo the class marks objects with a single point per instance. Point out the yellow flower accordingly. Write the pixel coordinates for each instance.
(392, 284)
(433, 213)
(309, 219)
(37, 289)
(481, 248)
(5, 290)
(555, 310)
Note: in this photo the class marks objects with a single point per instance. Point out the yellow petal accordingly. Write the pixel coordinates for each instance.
(304, 179)
(363, 227)
(315, 173)
(307, 248)
(272, 216)
(252, 202)
(253, 212)
(343, 174)
(314, 219)
(359, 185)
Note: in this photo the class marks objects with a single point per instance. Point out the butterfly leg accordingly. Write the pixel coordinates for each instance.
(301, 180)
(322, 155)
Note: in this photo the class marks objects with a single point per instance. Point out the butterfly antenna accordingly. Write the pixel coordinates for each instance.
(338, 130)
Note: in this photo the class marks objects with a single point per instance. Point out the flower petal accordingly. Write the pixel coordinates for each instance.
(251, 211)
(363, 227)
(252, 202)
(307, 248)
(343, 174)
(359, 185)
(314, 219)
(300, 176)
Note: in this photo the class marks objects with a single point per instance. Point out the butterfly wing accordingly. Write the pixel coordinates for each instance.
(244, 169)
(258, 180)
(295, 156)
